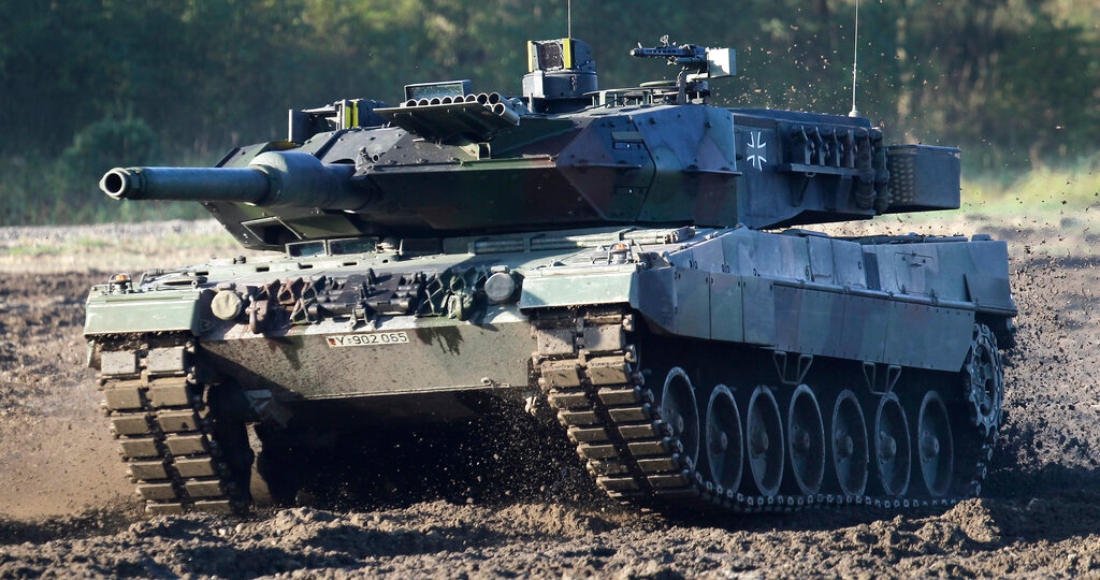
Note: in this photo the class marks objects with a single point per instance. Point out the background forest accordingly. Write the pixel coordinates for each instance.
(89, 84)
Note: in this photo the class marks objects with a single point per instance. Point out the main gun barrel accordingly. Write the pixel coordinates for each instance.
(272, 179)
(245, 185)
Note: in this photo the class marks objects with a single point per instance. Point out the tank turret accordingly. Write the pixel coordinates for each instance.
(566, 154)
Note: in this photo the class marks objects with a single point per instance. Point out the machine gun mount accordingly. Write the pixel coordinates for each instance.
(697, 65)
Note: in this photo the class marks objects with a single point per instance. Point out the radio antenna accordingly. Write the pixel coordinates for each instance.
(569, 18)
(855, 64)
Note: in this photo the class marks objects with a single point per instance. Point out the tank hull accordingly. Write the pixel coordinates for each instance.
(631, 338)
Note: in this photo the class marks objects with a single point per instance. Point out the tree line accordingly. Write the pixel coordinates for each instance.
(89, 84)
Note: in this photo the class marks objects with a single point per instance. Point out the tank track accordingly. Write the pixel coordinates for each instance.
(165, 419)
(589, 372)
(160, 415)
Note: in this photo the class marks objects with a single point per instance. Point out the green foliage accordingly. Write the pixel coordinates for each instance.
(1016, 83)
(97, 147)
(42, 190)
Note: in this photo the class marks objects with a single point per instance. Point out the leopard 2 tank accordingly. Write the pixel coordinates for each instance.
(627, 262)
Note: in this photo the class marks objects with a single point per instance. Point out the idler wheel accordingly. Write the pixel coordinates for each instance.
(935, 446)
(805, 441)
(983, 376)
(724, 443)
(892, 457)
(764, 441)
(848, 438)
(679, 411)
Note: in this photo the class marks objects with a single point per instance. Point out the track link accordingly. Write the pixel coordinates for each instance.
(159, 414)
(589, 372)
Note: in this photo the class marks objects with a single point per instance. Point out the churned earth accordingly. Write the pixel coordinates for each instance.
(67, 511)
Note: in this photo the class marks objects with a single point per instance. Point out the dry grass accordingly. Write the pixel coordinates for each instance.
(114, 247)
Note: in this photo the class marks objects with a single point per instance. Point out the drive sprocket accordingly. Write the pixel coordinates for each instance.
(983, 377)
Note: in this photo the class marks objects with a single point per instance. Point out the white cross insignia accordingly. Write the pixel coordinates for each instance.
(757, 151)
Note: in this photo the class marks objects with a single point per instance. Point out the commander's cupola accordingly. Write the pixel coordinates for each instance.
(560, 73)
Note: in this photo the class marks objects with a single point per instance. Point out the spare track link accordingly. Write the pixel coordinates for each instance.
(160, 418)
(590, 376)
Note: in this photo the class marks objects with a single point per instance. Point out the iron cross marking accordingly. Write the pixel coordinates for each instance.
(757, 151)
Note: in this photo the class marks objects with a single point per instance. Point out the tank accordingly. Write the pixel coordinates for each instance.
(628, 266)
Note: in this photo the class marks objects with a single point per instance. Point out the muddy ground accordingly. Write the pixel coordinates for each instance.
(66, 509)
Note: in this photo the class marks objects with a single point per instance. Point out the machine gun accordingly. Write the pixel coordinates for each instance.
(697, 65)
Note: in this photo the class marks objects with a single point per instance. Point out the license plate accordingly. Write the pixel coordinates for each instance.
(368, 339)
